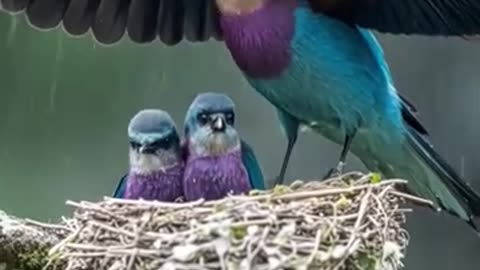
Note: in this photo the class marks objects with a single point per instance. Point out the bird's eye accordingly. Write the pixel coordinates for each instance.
(202, 118)
(134, 145)
(230, 118)
(161, 144)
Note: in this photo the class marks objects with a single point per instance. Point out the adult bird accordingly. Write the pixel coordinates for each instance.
(313, 60)
(218, 161)
(156, 159)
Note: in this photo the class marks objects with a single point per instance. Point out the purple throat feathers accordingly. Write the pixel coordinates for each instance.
(214, 177)
(160, 185)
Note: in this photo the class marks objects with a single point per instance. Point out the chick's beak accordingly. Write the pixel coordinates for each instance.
(218, 124)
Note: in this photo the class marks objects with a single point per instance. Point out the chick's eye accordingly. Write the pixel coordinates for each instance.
(134, 145)
(230, 118)
(161, 144)
(202, 118)
(165, 143)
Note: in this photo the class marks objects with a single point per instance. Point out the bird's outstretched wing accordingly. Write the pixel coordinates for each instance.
(253, 167)
(142, 20)
(427, 17)
(120, 190)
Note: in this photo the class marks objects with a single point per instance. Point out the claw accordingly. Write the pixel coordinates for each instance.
(278, 180)
(335, 172)
(329, 174)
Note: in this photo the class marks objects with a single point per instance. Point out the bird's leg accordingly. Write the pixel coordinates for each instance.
(286, 158)
(290, 127)
(338, 170)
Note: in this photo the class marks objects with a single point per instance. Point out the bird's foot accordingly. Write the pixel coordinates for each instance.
(335, 172)
(331, 174)
(278, 180)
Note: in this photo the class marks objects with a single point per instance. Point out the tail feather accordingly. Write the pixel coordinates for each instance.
(428, 175)
(433, 177)
(459, 189)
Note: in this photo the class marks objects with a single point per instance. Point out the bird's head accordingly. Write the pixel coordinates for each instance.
(154, 141)
(209, 125)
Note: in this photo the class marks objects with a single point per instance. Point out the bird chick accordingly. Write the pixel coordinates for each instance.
(214, 151)
(155, 155)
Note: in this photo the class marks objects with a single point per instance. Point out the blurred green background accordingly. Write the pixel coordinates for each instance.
(66, 102)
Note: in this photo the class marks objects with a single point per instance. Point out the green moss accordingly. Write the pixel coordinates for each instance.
(366, 262)
(220, 207)
(36, 259)
(343, 202)
(280, 190)
(376, 178)
(254, 192)
(238, 232)
(31, 260)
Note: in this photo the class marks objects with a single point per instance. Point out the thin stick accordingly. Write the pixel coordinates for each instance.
(242, 231)
(47, 225)
(412, 198)
(155, 203)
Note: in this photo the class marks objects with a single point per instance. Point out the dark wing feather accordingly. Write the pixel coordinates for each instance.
(79, 16)
(170, 17)
(144, 20)
(110, 20)
(55, 9)
(409, 114)
(14, 5)
(196, 20)
(427, 17)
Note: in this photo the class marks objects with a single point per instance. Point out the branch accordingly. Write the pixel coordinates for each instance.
(353, 221)
(25, 244)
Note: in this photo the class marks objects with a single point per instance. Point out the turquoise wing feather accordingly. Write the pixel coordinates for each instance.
(120, 190)
(254, 170)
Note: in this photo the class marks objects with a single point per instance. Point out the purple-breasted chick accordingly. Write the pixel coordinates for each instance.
(214, 167)
(156, 160)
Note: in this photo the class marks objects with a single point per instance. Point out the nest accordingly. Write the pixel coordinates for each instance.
(350, 223)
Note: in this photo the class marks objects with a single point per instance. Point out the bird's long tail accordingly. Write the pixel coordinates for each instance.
(432, 178)
(452, 192)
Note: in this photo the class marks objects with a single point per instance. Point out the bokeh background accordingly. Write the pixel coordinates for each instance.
(65, 103)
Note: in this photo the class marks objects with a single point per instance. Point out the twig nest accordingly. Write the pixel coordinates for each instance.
(352, 222)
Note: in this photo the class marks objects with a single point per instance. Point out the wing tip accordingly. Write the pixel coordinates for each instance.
(11, 8)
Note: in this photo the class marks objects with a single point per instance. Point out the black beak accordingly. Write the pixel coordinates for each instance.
(218, 124)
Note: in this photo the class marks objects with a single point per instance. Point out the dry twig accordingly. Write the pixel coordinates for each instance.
(342, 223)
(337, 224)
